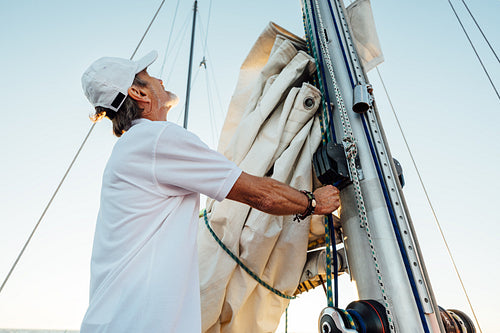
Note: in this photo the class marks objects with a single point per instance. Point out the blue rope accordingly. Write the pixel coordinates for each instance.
(328, 265)
(355, 314)
(335, 260)
(348, 317)
(388, 203)
(329, 229)
(241, 264)
(321, 75)
(348, 64)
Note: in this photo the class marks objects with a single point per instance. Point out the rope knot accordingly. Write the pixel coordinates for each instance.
(350, 147)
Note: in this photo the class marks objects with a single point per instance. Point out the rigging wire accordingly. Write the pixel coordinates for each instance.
(47, 207)
(475, 51)
(206, 55)
(215, 85)
(208, 78)
(147, 29)
(69, 167)
(185, 30)
(428, 198)
(213, 124)
(193, 82)
(169, 38)
(180, 38)
(208, 25)
(204, 36)
(481, 30)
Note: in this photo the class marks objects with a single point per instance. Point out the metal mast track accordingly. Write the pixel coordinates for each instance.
(394, 274)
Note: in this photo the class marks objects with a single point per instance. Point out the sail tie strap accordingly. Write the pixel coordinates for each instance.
(241, 264)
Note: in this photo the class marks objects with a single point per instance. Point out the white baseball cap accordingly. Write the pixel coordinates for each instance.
(107, 80)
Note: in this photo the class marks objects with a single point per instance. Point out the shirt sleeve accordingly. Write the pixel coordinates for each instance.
(183, 164)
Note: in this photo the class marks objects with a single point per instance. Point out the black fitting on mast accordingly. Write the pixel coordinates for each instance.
(330, 165)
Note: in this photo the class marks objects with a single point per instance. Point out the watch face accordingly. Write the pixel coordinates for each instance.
(313, 203)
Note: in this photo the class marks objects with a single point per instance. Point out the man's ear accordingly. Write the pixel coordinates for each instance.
(139, 94)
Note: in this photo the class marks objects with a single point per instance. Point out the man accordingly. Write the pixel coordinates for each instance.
(144, 269)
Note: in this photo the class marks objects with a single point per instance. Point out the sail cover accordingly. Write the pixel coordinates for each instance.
(271, 131)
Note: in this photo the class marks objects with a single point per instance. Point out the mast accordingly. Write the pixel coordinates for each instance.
(382, 250)
(188, 88)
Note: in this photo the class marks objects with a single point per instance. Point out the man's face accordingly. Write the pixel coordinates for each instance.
(161, 100)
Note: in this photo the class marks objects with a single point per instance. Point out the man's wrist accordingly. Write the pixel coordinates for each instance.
(311, 206)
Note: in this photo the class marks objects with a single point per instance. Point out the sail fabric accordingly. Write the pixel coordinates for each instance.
(364, 33)
(270, 130)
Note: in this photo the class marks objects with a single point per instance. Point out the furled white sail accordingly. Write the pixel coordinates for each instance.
(365, 36)
(270, 130)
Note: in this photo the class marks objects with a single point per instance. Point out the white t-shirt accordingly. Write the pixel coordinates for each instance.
(144, 269)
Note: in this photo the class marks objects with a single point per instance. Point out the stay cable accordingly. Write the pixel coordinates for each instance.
(68, 169)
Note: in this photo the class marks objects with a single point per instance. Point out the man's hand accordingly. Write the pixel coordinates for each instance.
(327, 200)
(273, 197)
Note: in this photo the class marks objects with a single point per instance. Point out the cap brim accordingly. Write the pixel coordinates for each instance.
(145, 61)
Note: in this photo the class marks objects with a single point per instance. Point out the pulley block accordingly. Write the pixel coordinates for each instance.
(330, 165)
(335, 320)
(369, 316)
(455, 321)
(364, 316)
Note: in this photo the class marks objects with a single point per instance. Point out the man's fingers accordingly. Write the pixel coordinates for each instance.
(328, 199)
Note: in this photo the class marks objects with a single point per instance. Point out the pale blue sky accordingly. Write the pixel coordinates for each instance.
(444, 102)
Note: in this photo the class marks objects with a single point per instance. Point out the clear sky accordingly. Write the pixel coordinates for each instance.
(444, 102)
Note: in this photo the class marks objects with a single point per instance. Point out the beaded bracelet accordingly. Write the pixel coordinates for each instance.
(310, 206)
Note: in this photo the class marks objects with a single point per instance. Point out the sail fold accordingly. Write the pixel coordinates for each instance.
(270, 130)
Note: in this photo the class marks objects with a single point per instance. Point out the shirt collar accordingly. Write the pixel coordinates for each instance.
(140, 120)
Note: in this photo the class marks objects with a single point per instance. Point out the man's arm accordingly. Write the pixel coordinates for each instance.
(273, 197)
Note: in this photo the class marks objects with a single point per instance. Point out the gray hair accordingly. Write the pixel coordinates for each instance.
(121, 119)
